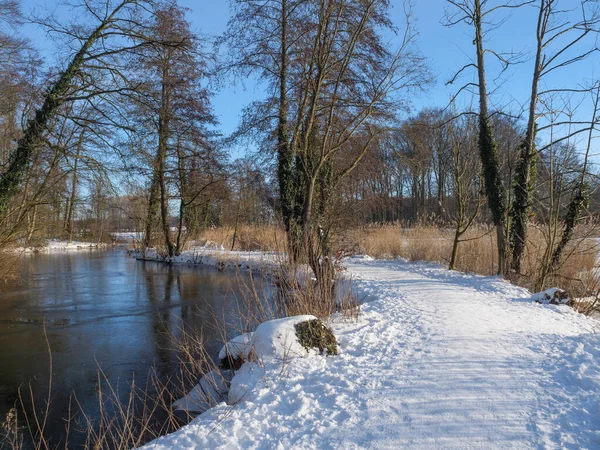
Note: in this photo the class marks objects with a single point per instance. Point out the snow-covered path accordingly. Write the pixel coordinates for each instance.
(437, 360)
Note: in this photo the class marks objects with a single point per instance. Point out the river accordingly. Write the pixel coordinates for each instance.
(100, 308)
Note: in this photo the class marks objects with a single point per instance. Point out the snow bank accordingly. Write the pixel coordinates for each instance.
(128, 236)
(437, 360)
(211, 391)
(216, 257)
(57, 245)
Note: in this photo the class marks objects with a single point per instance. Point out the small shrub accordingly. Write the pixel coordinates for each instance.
(314, 334)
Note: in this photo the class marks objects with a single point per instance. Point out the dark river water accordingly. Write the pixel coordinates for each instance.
(100, 309)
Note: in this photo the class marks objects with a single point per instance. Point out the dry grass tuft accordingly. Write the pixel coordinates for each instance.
(284, 291)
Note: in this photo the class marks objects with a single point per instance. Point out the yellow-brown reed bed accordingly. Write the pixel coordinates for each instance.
(247, 237)
(477, 253)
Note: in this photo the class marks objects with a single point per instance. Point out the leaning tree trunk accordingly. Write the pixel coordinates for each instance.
(460, 220)
(577, 206)
(487, 149)
(32, 223)
(20, 158)
(580, 200)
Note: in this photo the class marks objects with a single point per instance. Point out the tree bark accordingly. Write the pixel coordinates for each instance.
(153, 200)
(71, 207)
(525, 169)
(487, 149)
(163, 137)
(285, 154)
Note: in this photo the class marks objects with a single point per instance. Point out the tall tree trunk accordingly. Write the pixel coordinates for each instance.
(183, 196)
(525, 170)
(153, 200)
(164, 208)
(163, 137)
(285, 154)
(487, 149)
(70, 225)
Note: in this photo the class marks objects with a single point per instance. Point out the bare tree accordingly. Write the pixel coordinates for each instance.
(343, 90)
(173, 109)
(467, 183)
(476, 13)
(110, 24)
(556, 37)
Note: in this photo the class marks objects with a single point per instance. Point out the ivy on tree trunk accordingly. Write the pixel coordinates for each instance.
(32, 135)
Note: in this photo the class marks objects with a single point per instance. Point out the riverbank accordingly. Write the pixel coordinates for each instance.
(53, 245)
(437, 359)
(214, 256)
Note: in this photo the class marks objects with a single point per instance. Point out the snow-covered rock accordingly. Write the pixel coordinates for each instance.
(552, 296)
(236, 352)
(275, 344)
(277, 338)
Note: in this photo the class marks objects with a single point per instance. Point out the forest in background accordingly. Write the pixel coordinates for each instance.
(117, 133)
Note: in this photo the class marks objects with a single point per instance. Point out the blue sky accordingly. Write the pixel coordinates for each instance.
(447, 49)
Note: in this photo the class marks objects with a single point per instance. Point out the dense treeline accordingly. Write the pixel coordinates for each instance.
(119, 134)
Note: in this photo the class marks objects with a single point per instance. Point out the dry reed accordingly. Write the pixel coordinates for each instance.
(247, 237)
(477, 253)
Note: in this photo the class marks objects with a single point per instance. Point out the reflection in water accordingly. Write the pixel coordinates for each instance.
(101, 309)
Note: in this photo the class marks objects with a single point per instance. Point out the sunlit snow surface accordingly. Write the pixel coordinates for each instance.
(438, 359)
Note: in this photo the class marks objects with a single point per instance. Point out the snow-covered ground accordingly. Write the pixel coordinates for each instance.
(58, 245)
(217, 256)
(437, 359)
